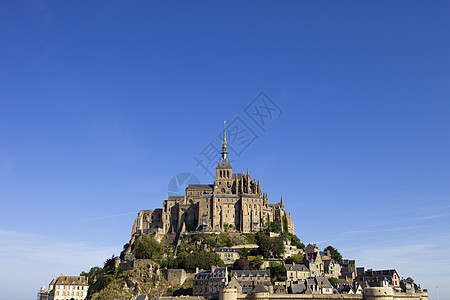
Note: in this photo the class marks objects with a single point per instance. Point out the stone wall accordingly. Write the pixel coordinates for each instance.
(175, 276)
(182, 298)
(379, 293)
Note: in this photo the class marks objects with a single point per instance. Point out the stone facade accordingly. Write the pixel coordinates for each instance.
(66, 287)
(208, 283)
(233, 202)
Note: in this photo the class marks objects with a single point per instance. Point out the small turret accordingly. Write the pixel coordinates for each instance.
(282, 203)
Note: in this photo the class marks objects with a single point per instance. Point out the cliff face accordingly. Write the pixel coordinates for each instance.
(141, 279)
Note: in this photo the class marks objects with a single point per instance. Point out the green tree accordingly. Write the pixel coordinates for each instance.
(333, 280)
(277, 246)
(296, 258)
(241, 264)
(269, 247)
(198, 259)
(264, 244)
(295, 241)
(277, 272)
(274, 227)
(148, 247)
(334, 254)
(224, 240)
(285, 224)
(256, 263)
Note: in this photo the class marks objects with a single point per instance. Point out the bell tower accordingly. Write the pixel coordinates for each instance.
(224, 172)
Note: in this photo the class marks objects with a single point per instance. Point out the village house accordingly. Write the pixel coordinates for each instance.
(65, 287)
(296, 272)
(228, 254)
(379, 278)
(246, 280)
(208, 283)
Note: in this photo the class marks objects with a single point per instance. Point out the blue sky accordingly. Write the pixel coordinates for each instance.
(102, 104)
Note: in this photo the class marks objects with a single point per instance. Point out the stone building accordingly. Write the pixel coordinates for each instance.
(208, 283)
(228, 254)
(66, 287)
(233, 202)
(296, 272)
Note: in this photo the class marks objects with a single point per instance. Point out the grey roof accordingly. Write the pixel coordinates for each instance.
(200, 186)
(292, 267)
(226, 196)
(141, 297)
(207, 274)
(323, 282)
(250, 272)
(259, 289)
(298, 288)
(279, 289)
(224, 163)
(311, 281)
(226, 249)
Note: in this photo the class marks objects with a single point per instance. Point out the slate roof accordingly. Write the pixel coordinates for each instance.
(247, 273)
(71, 280)
(225, 249)
(298, 288)
(224, 163)
(323, 282)
(295, 267)
(200, 186)
(207, 274)
(259, 289)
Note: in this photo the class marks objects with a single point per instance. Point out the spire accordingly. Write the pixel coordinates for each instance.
(224, 163)
(259, 188)
(224, 142)
(282, 203)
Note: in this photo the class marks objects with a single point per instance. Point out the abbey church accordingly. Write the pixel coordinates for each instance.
(234, 202)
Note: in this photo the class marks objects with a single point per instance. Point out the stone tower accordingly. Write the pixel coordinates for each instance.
(224, 172)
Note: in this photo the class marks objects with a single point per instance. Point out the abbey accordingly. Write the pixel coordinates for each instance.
(234, 202)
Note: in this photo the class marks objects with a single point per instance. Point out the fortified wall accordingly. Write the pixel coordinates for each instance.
(372, 293)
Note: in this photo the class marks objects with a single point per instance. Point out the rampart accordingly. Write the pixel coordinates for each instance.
(375, 293)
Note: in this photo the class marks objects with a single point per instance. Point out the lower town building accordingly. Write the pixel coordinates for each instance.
(208, 283)
(245, 281)
(296, 272)
(65, 288)
(227, 254)
(379, 278)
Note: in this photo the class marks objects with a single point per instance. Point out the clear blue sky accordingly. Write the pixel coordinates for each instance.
(102, 103)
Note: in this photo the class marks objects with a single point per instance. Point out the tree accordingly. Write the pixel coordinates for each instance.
(147, 246)
(256, 263)
(277, 246)
(241, 264)
(334, 254)
(297, 258)
(109, 265)
(295, 241)
(269, 247)
(277, 272)
(333, 280)
(198, 259)
(264, 245)
(274, 227)
(285, 224)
